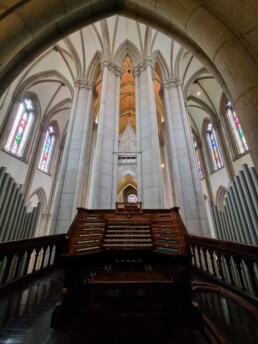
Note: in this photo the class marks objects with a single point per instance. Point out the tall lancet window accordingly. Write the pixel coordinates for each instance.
(21, 128)
(198, 159)
(236, 128)
(216, 157)
(47, 153)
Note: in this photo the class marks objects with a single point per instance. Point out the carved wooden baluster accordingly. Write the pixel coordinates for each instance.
(250, 266)
(220, 267)
(194, 254)
(8, 266)
(199, 256)
(228, 262)
(210, 250)
(237, 261)
(205, 259)
(51, 246)
(36, 259)
(28, 258)
(18, 264)
(43, 257)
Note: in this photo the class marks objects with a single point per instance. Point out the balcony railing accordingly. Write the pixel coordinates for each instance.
(231, 264)
(23, 258)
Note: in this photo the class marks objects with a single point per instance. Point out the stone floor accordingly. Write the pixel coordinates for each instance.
(26, 312)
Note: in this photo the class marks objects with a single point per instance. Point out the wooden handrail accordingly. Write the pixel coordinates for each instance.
(230, 247)
(16, 246)
(21, 258)
(231, 264)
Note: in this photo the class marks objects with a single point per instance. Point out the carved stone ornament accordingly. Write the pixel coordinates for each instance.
(17, 97)
(107, 62)
(128, 140)
(147, 62)
(43, 126)
(85, 83)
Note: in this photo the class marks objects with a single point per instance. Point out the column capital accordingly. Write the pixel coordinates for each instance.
(17, 97)
(171, 82)
(43, 126)
(83, 83)
(147, 62)
(112, 66)
(216, 123)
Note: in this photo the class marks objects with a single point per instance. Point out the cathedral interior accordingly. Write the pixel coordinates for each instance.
(128, 171)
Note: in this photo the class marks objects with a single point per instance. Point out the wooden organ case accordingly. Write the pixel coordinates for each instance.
(126, 274)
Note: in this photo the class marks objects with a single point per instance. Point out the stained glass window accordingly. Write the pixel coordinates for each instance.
(21, 127)
(47, 151)
(198, 160)
(216, 157)
(236, 129)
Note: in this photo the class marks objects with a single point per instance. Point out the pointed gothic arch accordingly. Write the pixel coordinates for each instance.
(161, 64)
(127, 48)
(35, 78)
(220, 197)
(41, 195)
(94, 67)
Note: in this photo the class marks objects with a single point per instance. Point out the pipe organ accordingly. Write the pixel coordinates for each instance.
(238, 221)
(15, 220)
(126, 270)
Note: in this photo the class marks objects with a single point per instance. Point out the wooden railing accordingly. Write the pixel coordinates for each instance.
(234, 265)
(23, 258)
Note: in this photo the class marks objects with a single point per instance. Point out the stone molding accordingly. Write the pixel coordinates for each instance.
(147, 62)
(83, 83)
(216, 123)
(61, 146)
(17, 97)
(43, 126)
(168, 83)
(112, 67)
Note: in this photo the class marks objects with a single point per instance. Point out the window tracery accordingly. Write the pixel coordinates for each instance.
(21, 128)
(236, 129)
(214, 150)
(46, 157)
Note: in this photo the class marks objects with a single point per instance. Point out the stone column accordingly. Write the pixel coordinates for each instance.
(204, 229)
(71, 160)
(138, 139)
(81, 188)
(102, 173)
(172, 157)
(152, 185)
(191, 197)
(115, 155)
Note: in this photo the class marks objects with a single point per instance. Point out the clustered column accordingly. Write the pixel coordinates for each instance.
(103, 165)
(184, 177)
(152, 185)
(75, 159)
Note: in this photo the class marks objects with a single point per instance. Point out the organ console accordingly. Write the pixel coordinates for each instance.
(125, 266)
